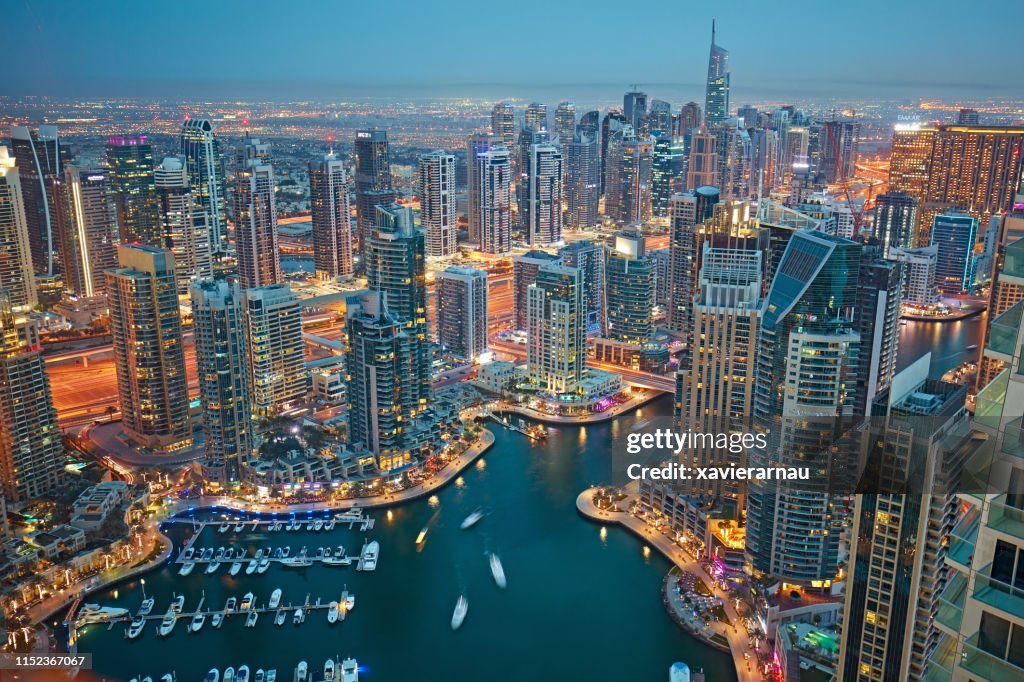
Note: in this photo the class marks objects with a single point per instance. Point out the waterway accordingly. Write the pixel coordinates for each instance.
(950, 343)
(581, 602)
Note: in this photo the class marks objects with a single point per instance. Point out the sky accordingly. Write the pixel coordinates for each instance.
(290, 49)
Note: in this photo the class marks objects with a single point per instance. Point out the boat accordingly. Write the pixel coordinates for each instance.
(217, 620)
(167, 677)
(212, 676)
(280, 617)
(285, 551)
(337, 561)
(188, 553)
(262, 567)
(168, 623)
(329, 525)
(350, 670)
(260, 676)
(349, 600)
(329, 670)
(296, 562)
(229, 605)
(207, 554)
(239, 527)
(318, 525)
(301, 672)
(229, 674)
(250, 620)
(219, 554)
(309, 525)
(248, 602)
(459, 615)
(94, 613)
(275, 599)
(251, 568)
(224, 527)
(178, 604)
(136, 627)
(369, 556)
(242, 675)
(498, 571)
(472, 519)
(340, 551)
(319, 554)
(186, 568)
(332, 612)
(228, 554)
(272, 675)
(300, 616)
(259, 554)
(198, 620)
(422, 536)
(213, 567)
(235, 568)
(277, 553)
(327, 552)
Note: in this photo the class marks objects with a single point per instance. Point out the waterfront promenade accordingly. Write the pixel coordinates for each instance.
(746, 670)
(607, 415)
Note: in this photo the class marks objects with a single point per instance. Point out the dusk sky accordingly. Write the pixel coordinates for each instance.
(887, 49)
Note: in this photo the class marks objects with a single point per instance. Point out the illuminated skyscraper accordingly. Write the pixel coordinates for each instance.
(590, 124)
(490, 196)
(436, 184)
(628, 177)
(629, 277)
(583, 183)
(716, 98)
(462, 311)
(610, 124)
(910, 163)
(1007, 288)
(149, 356)
(219, 332)
(688, 119)
(794, 156)
(503, 124)
(476, 144)
(86, 221)
(895, 221)
(255, 213)
(837, 149)
(634, 107)
(130, 167)
(668, 171)
(565, 122)
(332, 217)
(274, 347)
(41, 157)
(967, 117)
(659, 118)
(536, 117)
(955, 236)
(524, 274)
(589, 258)
(16, 275)
(686, 212)
(205, 164)
(184, 225)
(556, 351)
(702, 166)
(31, 448)
(373, 179)
(543, 195)
(919, 288)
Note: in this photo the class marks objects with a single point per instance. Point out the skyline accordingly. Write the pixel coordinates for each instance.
(290, 63)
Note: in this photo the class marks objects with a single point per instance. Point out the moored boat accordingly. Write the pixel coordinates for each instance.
(248, 602)
(301, 672)
(147, 606)
(229, 605)
(243, 674)
(229, 674)
(350, 670)
(275, 599)
(251, 568)
(332, 612)
(262, 567)
(300, 616)
(213, 675)
(167, 624)
(178, 604)
(136, 627)
(212, 567)
(217, 619)
(198, 620)
(329, 670)
(280, 617)
(250, 620)
(235, 568)
(186, 568)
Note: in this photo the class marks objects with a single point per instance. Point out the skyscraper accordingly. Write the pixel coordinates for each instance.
(837, 155)
(629, 277)
(1006, 289)
(503, 124)
(634, 107)
(436, 184)
(877, 320)
(543, 200)
(716, 97)
(373, 179)
(255, 214)
(590, 124)
(583, 182)
(668, 171)
(686, 212)
(565, 122)
(524, 274)
(895, 221)
(149, 356)
(610, 124)
(628, 177)
(490, 197)
(556, 350)
(462, 311)
(689, 118)
(219, 332)
(536, 117)
(16, 272)
(702, 166)
(967, 117)
(589, 258)
(955, 235)
(40, 157)
(184, 225)
(910, 161)
(274, 348)
(130, 167)
(86, 227)
(31, 449)
(919, 290)
(476, 144)
(659, 118)
(205, 164)
(332, 218)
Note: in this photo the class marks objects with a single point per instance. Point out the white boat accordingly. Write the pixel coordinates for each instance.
(147, 606)
(272, 675)
(369, 556)
(186, 568)
(167, 677)
(229, 674)
(243, 674)
(459, 615)
(329, 525)
(262, 567)
(136, 627)
(296, 562)
(219, 554)
(239, 527)
(250, 620)
(472, 519)
(275, 599)
(248, 602)
(178, 604)
(329, 670)
(213, 567)
(285, 551)
(229, 605)
(319, 554)
(277, 553)
(337, 561)
(280, 617)
(188, 554)
(349, 600)
(299, 617)
(259, 553)
(198, 620)
(228, 554)
(224, 527)
(332, 612)
(350, 670)
(94, 613)
(318, 525)
(251, 568)
(167, 624)
(423, 535)
(260, 676)
(309, 525)
(235, 568)
(212, 676)
(498, 571)
(217, 620)
(301, 672)
(207, 554)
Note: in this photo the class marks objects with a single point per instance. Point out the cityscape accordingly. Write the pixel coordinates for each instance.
(716, 379)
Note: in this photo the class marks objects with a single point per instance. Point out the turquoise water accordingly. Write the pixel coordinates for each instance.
(580, 605)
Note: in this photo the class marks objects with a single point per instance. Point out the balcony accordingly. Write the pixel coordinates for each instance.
(988, 666)
(1013, 263)
(951, 604)
(989, 403)
(997, 594)
(963, 539)
(1005, 518)
(940, 663)
(1013, 438)
(1002, 340)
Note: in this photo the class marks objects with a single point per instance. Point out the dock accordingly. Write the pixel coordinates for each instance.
(533, 433)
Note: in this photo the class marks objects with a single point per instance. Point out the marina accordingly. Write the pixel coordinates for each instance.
(334, 670)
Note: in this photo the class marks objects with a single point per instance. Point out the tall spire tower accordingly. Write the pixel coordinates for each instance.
(716, 98)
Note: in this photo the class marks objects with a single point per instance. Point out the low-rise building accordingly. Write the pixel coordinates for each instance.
(96, 503)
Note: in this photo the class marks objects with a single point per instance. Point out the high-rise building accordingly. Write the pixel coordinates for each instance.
(877, 319)
(589, 258)
(184, 225)
(688, 119)
(910, 161)
(764, 161)
(373, 179)
(716, 98)
(628, 177)
(219, 332)
(583, 182)
(436, 184)
(1005, 290)
(634, 107)
(919, 290)
(629, 277)
(31, 448)
(490, 197)
(255, 214)
(895, 221)
(149, 356)
(837, 149)
(794, 156)
(659, 118)
(274, 348)
(556, 350)
(477, 144)
(590, 125)
(536, 117)
(503, 124)
(955, 235)
(524, 274)
(686, 212)
(332, 218)
(543, 195)
(668, 171)
(565, 122)
(702, 165)
(16, 270)
(130, 167)
(610, 124)
(967, 117)
(205, 164)
(85, 217)
(462, 311)
(40, 156)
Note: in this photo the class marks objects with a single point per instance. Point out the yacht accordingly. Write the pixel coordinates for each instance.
(217, 620)
(235, 568)
(212, 567)
(369, 556)
(318, 525)
(300, 616)
(332, 612)
(329, 525)
(272, 675)
(459, 615)
(349, 670)
(248, 602)
(296, 562)
(285, 551)
(178, 604)
(259, 554)
(243, 674)
(229, 605)
(147, 606)
(277, 553)
(229, 674)
(168, 623)
(275, 599)
(228, 554)
(251, 568)
(225, 527)
(250, 620)
(212, 676)
(136, 627)
(263, 566)
(329, 670)
(327, 552)
(309, 525)
(219, 554)
(94, 613)
(168, 677)
(349, 600)
(319, 554)
(498, 571)
(239, 527)
(472, 519)
(207, 554)
(260, 676)
(281, 616)
(188, 553)
(198, 620)
(301, 672)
